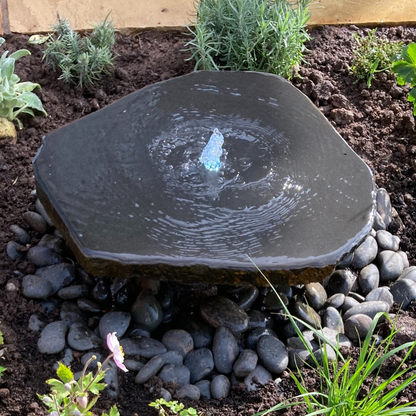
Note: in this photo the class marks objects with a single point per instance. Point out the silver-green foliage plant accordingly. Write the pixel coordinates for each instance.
(406, 71)
(342, 382)
(249, 35)
(16, 97)
(372, 54)
(81, 60)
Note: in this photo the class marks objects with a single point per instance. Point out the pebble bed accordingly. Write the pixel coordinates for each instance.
(205, 338)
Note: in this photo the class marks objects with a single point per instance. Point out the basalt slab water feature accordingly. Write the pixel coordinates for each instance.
(127, 188)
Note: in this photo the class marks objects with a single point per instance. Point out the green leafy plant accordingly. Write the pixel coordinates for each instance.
(70, 397)
(406, 71)
(16, 97)
(81, 60)
(172, 407)
(372, 54)
(254, 35)
(342, 383)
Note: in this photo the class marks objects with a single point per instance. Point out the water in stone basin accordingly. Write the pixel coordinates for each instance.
(251, 164)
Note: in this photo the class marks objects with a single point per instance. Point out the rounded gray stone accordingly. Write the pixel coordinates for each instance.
(390, 265)
(246, 363)
(260, 375)
(177, 373)
(336, 300)
(225, 350)
(255, 335)
(220, 387)
(43, 256)
(147, 311)
(189, 391)
(60, 275)
(307, 314)
(204, 387)
(53, 242)
(73, 292)
(149, 369)
(220, 311)
(144, 347)
(387, 241)
(133, 365)
(81, 338)
(12, 250)
(246, 297)
(404, 292)
(357, 326)
(117, 322)
(22, 235)
(52, 338)
(332, 319)
(200, 363)
(35, 287)
(272, 354)
(315, 295)
(381, 293)
(404, 257)
(370, 309)
(172, 357)
(369, 278)
(93, 364)
(341, 281)
(178, 340)
(365, 253)
(35, 221)
(409, 273)
(349, 302)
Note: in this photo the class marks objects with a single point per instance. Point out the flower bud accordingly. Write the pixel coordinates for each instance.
(54, 413)
(46, 399)
(83, 401)
(67, 386)
(76, 412)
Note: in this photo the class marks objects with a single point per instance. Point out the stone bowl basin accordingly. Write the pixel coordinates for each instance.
(125, 187)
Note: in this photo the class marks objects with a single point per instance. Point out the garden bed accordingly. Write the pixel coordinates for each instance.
(378, 123)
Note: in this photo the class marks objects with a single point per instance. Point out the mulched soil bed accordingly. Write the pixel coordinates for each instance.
(378, 123)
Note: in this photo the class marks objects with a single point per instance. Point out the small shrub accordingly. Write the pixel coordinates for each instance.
(372, 54)
(16, 97)
(80, 60)
(252, 35)
(406, 71)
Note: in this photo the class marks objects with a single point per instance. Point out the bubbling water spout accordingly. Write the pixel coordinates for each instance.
(212, 152)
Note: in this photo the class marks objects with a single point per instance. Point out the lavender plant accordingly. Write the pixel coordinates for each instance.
(253, 35)
(70, 397)
(81, 60)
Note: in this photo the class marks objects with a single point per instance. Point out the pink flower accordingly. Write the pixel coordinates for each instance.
(115, 347)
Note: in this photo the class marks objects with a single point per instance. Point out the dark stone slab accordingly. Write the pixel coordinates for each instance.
(125, 187)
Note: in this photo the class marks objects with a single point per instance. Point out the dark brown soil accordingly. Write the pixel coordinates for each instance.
(377, 122)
